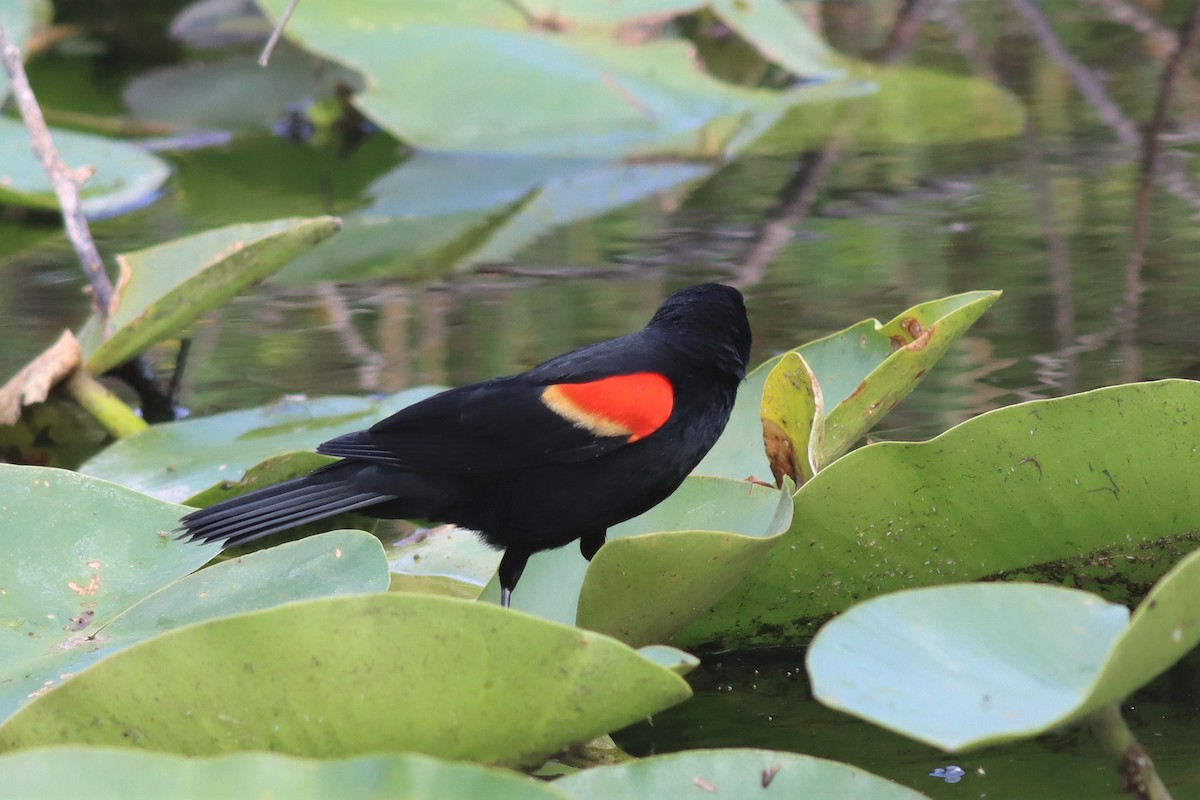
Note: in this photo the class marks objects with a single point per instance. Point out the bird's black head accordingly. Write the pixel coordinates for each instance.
(709, 321)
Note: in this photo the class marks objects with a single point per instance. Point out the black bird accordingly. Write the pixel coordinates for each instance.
(536, 460)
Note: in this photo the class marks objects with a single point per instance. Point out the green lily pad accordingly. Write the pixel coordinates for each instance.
(445, 560)
(126, 177)
(348, 676)
(184, 461)
(908, 106)
(91, 567)
(479, 79)
(661, 570)
(234, 93)
(732, 773)
(862, 373)
(964, 666)
(1019, 488)
(162, 289)
(109, 774)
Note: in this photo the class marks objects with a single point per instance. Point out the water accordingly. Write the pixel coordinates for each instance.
(1045, 216)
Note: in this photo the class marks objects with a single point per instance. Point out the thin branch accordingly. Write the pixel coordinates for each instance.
(65, 181)
(265, 58)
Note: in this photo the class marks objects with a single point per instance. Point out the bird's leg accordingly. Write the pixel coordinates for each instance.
(511, 567)
(589, 543)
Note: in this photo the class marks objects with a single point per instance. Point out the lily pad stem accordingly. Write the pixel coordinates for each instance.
(1138, 776)
(105, 407)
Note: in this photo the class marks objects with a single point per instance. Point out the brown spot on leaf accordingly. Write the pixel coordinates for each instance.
(911, 326)
(897, 342)
(862, 387)
(780, 453)
(705, 785)
(921, 341)
(768, 775)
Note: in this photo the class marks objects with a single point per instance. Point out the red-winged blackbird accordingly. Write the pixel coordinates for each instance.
(536, 460)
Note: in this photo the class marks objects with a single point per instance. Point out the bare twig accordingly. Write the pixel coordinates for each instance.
(65, 181)
(904, 31)
(269, 48)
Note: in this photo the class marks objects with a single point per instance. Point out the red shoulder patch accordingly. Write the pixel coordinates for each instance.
(633, 406)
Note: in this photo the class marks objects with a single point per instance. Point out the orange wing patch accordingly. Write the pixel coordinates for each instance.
(633, 406)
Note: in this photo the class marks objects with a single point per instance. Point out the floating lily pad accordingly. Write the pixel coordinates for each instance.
(1019, 488)
(234, 93)
(659, 570)
(356, 675)
(907, 106)
(184, 461)
(162, 289)
(108, 774)
(481, 79)
(970, 665)
(732, 773)
(91, 567)
(863, 372)
(126, 177)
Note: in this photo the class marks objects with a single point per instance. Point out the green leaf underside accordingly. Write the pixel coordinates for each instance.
(965, 666)
(311, 678)
(1025, 485)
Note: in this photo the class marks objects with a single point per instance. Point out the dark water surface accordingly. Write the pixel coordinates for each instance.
(1045, 217)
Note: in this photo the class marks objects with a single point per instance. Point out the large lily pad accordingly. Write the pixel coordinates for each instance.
(125, 177)
(91, 567)
(182, 461)
(862, 372)
(162, 289)
(109, 774)
(234, 93)
(479, 78)
(970, 665)
(733, 773)
(659, 570)
(356, 675)
(1019, 488)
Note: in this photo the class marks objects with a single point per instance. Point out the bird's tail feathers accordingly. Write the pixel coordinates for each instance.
(314, 497)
